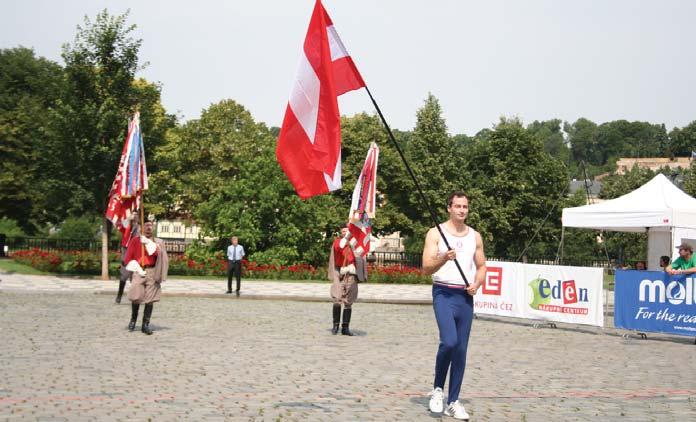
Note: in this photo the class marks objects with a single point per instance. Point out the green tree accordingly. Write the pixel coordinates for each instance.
(29, 87)
(551, 134)
(80, 228)
(581, 137)
(690, 180)
(682, 141)
(221, 172)
(91, 119)
(204, 155)
(515, 186)
(357, 133)
(10, 228)
(617, 185)
(432, 157)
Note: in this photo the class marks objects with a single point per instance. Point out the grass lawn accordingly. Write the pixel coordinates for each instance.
(10, 266)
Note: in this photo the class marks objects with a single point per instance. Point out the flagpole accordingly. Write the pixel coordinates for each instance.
(413, 176)
(142, 227)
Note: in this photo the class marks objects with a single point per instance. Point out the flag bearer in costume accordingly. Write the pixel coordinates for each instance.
(452, 300)
(147, 258)
(346, 269)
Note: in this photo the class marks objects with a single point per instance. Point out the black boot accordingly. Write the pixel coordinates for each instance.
(336, 318)
(146, 319)
(134, 316)
(346, 322)
(121, 287)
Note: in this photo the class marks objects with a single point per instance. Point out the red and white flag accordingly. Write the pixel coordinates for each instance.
(362, 207)
(130, 180)
(309, 145)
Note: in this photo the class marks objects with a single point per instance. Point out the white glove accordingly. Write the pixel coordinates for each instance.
(136, 268)
(344, 240)
(348, 269)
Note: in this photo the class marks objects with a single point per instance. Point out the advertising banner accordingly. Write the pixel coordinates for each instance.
(655, 301)
(498, 294)
(564, 294)
(542, 292)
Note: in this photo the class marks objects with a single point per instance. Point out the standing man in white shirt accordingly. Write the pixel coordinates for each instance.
(235, 253)
(453, 300)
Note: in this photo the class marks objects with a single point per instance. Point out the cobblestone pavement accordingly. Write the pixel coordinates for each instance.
(68, 356)
(259, 289)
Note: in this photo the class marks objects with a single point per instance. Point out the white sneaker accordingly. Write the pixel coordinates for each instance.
(457, 411)
(437, 400)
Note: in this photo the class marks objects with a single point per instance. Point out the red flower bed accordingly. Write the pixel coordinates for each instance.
(397, 274)
(81, 262)
(41, 260)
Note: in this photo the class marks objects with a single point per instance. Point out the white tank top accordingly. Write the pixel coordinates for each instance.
(465, 246)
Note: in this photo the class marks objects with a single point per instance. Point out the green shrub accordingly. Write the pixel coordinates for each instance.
(10, 228)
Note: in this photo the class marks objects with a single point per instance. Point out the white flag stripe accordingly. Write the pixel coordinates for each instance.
(371, 194)
(338, 50)
(334, 183)
(304, 97)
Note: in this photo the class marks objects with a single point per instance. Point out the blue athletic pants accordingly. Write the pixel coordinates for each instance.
(454, 311)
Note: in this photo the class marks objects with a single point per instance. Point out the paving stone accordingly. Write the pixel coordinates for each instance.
(68, 356)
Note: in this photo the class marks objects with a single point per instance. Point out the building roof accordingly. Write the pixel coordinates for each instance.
(594, 185)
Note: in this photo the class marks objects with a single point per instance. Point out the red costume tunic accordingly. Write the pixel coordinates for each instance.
(342, 256)
(134, 253)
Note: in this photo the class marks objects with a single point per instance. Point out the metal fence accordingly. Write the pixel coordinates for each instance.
(402, 259)
(54, 245)
(415, 260)
(51, 245)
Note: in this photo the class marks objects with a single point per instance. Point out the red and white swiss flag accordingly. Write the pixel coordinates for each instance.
(309, 145)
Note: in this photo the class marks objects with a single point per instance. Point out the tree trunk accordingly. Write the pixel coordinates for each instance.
(105, 249)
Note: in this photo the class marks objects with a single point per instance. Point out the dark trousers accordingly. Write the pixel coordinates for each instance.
(124, 275)
(234, 269)
(454, 310)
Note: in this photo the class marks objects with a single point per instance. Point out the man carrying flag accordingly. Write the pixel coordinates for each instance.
(126, 194)
(347, 263)
(147, 258)
(309, 152)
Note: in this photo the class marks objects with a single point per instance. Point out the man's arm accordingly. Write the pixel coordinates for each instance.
(480, 262)
(432, 260)
(672, 269)
(691, 270)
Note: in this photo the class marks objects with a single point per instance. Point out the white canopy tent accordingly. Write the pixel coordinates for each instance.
(658, 207)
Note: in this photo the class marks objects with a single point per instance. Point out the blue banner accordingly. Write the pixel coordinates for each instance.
(655, 301)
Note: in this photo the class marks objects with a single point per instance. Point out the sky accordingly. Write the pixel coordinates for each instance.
(536, 59)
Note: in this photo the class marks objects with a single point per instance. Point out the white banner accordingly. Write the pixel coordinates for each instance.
(542, 292)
